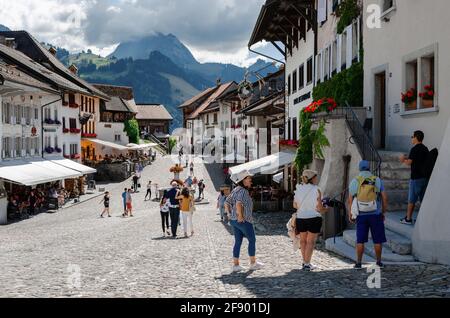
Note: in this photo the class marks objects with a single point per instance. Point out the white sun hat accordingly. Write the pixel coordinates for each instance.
(236, 178)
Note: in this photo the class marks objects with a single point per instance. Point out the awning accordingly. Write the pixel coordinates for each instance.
(75, 166)
(278, 177)
(31, 173)
(108, 144)
(266, 165)
(141, 147)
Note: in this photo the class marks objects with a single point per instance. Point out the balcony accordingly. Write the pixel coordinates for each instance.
(51, 122)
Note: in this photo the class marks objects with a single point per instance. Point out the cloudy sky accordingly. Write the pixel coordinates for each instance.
(214, 30)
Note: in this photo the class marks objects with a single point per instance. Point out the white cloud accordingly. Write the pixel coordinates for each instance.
(216, 30)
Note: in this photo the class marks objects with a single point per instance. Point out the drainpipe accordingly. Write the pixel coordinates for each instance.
(42, 122)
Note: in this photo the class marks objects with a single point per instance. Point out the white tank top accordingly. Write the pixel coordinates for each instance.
(306, 198)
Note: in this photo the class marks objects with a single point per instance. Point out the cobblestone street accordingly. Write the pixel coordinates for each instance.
(129, 257)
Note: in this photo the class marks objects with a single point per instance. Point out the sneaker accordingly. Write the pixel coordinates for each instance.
(307, 268)
(380, 265)
(406, 221)
(238, 268)
(256, 266)
(358, 266)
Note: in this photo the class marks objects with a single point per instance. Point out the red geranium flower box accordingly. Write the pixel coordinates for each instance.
(89, 135)
(77, 156)
(73, 105)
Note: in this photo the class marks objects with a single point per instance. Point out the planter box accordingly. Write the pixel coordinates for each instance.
(427, 103)
(411, 106)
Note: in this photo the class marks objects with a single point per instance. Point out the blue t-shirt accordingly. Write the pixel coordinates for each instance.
(353, 189)
(171, 195)
(124, 197)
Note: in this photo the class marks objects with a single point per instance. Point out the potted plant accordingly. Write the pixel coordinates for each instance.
(49, 150)
(76, 156)
(66, 130)
(73, 105)
(410, 99)
(67, 156)
(49, 121)
(57, 122)
(58, 150)
(427, 97)
(65, 103)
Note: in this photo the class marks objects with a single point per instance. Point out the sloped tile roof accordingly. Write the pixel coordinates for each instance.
(15, 57)
(156, 112)
(221, 90)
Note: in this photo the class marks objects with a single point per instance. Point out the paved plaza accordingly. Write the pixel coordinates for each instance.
(75, 253)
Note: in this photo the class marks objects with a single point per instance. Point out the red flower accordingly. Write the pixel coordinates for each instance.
(428, 87)
(430, 93)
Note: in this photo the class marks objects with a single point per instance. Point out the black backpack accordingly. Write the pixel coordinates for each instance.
(430, 162)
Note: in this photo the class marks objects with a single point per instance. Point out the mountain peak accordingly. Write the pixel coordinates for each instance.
(4, 28)
(168, 45)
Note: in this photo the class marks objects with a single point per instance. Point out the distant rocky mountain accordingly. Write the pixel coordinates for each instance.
(4, 28)
(161, 70)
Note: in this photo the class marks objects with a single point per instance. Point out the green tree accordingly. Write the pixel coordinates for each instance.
(132, 130)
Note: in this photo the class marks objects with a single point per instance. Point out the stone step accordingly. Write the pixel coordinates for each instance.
(393, 224)
(341, 248)
(387, 256)
(398, 196)
(398, 174)
(398, 244)
(396, 185)
(393, 165)
(337, 245)
(390, 156)
(397, 206)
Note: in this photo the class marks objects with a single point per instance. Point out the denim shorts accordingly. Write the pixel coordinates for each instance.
(417, 189)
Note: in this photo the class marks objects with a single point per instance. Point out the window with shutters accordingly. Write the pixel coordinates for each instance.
(47, 113)
(28, 146)
(36, 114)
(294, 81)
(309, 71)
(73, 123)
(344, 51)
(18, 147)
(28, 115)
(289, 85)
(6, 147)
(301, 77)
(18, 114)
(37, 145)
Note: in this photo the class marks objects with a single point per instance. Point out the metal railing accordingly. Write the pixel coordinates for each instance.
(363, 141)
(159, 143)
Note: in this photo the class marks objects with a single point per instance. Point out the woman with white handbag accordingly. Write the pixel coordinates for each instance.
(309, 206)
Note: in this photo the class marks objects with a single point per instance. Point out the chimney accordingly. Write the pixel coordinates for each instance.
(74, 69)
(52, 50)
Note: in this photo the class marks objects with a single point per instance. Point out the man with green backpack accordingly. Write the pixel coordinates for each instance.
(368, 204)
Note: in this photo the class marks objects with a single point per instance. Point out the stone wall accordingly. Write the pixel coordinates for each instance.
(113, 172)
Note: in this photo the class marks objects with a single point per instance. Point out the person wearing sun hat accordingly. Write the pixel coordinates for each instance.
(239, 206)
(309, 206)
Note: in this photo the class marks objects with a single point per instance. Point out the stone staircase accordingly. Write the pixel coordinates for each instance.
(398, 249)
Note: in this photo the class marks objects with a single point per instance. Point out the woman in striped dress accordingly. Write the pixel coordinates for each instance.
(239, 206)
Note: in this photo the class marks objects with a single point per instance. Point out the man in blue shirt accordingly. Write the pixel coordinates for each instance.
(369, 221)
(124, 200)
(174, 207)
